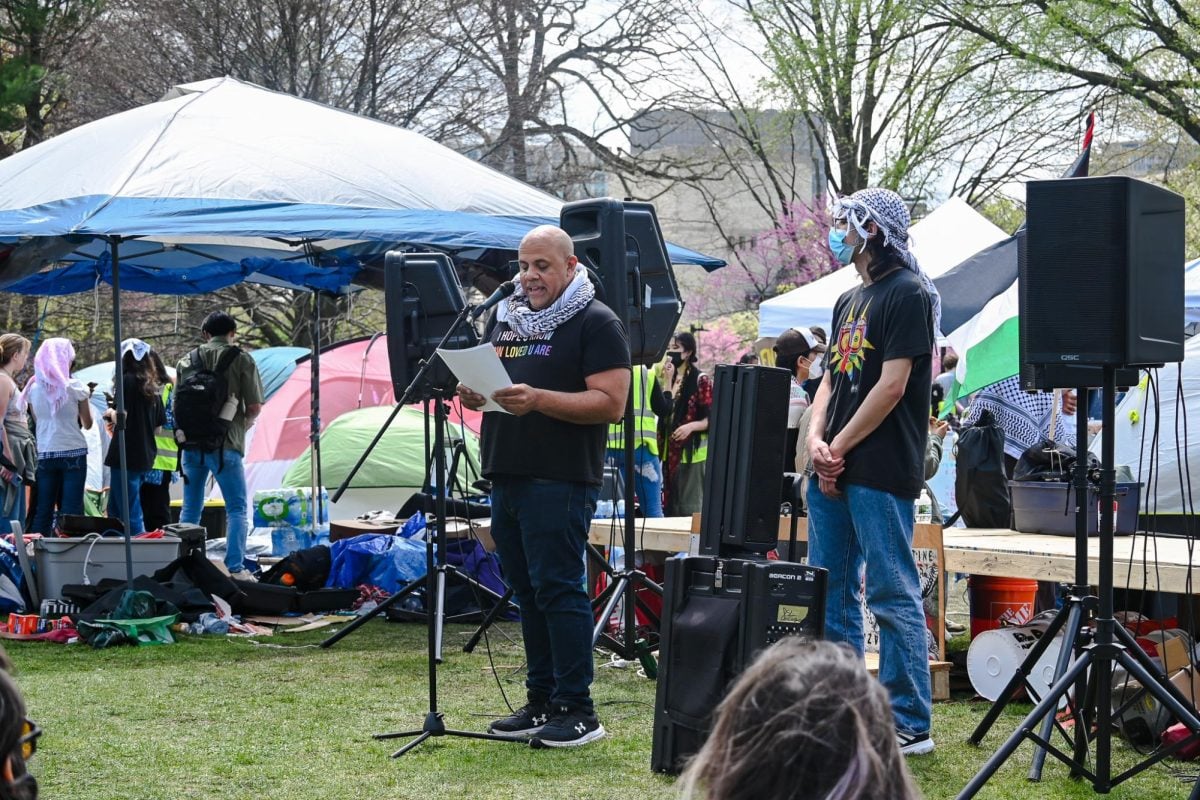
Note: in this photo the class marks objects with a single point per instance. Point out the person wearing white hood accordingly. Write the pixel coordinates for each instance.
(144, 414)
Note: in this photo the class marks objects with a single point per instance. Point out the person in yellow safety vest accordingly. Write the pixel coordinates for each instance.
(649, 404)
(683, 433)
(155, 491)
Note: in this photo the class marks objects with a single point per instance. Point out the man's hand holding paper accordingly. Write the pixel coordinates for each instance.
(480, 376)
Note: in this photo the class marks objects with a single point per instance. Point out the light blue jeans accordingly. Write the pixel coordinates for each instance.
(647, 478)
(196, 467)
(874, 528)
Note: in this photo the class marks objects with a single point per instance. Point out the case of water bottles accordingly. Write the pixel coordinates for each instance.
(606, 509)
(294, 521)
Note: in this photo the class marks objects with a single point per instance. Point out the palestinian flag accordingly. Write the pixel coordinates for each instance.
(979, 304)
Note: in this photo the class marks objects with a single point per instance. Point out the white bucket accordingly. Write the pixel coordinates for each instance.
(995, 655)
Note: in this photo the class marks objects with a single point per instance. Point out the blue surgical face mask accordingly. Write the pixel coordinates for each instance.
(843, 252)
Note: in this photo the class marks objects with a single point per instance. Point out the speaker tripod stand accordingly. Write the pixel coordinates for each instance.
(1110, 646)
(625, 583)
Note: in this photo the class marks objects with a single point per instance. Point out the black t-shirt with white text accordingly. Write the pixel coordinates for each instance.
(887, 320)
(538, 446)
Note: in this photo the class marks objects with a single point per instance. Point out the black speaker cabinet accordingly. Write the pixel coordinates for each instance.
(1102, 281)
(422, 298)
(747, 439)
(623, 244)
(717, 615)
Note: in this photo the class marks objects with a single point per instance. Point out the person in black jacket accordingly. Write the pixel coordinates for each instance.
(144, 415)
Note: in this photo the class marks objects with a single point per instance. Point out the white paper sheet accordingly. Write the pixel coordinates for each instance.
(479, 369)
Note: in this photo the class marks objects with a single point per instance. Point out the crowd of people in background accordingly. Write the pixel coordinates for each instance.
(44, 447)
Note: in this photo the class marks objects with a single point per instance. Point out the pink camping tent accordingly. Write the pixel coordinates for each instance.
(353, 374)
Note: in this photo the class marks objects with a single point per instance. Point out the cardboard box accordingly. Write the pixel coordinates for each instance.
(459, 528)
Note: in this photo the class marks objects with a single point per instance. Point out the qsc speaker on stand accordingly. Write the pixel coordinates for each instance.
(621, 242)
(1063, 375)
(1101, 287)
(1103, 278)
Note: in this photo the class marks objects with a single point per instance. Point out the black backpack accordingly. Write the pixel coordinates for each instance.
(304, 569)
(981, 485)
(198, 402)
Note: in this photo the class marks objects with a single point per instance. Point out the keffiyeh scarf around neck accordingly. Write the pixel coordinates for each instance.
(887, 210)
(527, 322)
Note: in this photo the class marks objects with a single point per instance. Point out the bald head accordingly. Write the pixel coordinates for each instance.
(552, 237)
(547, 261)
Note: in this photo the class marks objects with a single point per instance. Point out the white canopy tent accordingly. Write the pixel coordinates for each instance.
(1178, 425)
(947, 236)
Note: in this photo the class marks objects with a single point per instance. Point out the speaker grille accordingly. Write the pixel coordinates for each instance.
(1074, 277)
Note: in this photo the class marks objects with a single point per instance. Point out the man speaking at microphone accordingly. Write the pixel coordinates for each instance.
(568, 358)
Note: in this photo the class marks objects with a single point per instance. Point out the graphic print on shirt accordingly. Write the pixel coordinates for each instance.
(852, 343)
(510, 344)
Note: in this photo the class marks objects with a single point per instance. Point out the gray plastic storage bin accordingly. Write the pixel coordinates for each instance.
(61, 561)
(1050, 508)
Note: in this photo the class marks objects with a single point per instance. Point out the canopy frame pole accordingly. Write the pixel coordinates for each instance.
(114, 244)
(314, 429)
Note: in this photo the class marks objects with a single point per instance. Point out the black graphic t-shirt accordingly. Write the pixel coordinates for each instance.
(889, 319)
(539, 446)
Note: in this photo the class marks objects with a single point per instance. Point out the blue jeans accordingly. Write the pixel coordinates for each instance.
(128, 481)
(196, 467)
(60, 484)
(540, 528)
(875, 528)
(647, 478)
(17, 513)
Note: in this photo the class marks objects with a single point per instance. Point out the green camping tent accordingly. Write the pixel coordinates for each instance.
(395, 468)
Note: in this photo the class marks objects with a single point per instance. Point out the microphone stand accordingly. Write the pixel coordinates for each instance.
(440, 497)
(434, 724)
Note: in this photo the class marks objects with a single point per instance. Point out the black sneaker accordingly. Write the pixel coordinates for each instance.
(522, 723)
(568, 728)
(914, 744)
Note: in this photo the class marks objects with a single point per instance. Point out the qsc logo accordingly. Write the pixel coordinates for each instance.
(1068, 357)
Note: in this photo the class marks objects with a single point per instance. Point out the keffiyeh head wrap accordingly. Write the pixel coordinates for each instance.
(888, 211)
(527, 322)
(52, 370)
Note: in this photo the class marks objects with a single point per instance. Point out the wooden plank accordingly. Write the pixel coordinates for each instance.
(1155, 563)
(667, 534)
(939, 674)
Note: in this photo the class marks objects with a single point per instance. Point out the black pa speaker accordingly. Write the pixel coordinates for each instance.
(747, 441)
(1045, 377)
(422, 298)
(623, 244)
(1102, 280)
(717, 615)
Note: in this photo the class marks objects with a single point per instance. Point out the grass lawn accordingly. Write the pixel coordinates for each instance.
(211, 717)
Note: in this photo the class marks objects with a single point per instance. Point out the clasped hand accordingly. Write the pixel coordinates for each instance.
(519, 399)
(828, 464)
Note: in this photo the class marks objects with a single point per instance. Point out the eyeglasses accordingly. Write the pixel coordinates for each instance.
(29, 736)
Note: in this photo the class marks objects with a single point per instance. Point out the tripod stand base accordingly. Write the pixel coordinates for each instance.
(434, 726)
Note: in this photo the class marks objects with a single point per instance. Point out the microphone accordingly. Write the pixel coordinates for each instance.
(502, 291)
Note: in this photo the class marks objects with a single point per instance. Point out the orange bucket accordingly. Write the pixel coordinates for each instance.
(999, 601)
